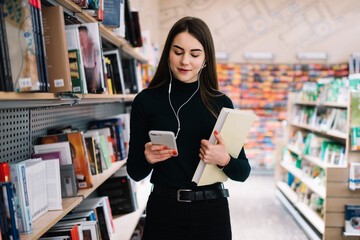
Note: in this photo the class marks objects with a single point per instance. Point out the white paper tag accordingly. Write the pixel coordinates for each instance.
(59, 82)
(76, 89)
(25, 82)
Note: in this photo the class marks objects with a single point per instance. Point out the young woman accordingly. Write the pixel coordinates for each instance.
(183, 97)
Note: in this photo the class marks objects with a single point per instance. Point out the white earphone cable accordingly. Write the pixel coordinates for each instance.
(172, 107)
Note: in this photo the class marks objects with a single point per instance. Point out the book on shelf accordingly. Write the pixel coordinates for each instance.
(105, 145)
(79, 155)
(73, 232)
(102, 211)
(117, 72)
(129, 24)
(40, 44)
(56, 49)
(9, 218)
(91, 152)
(100, 158)
(5, 67)
(75, 71)
(23, 57)
(108, 76)
(83, 216)
(89, 229)
(130, 75)
(21, 197)
(116, 131)
(352, 219)
(4, 172)
(355, 138)
(354, 176)
(234, 127)
(120, 31)
(91, 51)
(136, 28)
(65, 157)
(74, 51)
(53, 179)
(36, 187)
(112, 13)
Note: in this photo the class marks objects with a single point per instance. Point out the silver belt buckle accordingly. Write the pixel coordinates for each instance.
(178, 195)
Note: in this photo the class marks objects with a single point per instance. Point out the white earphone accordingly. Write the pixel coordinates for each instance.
(197, 89)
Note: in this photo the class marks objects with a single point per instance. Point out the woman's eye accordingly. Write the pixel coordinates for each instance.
(178, 53)
(195, 56)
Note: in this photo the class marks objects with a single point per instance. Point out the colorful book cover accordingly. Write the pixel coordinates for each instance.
(23, 56)
(78, 151)
(352, 219)
(91, 51)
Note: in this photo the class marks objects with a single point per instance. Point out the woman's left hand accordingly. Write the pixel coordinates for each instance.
(214, 153)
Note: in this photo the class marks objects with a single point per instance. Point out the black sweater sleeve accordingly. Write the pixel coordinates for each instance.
(238, 169)
(137, 165)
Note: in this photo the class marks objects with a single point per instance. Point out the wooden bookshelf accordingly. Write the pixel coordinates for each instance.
(36, 99)
(83, 16)
(329, 133)
(335, 192)
(315, 160)
(312, 216)
(46, 221)
(305, 210)
(325, 104)
(307, 180)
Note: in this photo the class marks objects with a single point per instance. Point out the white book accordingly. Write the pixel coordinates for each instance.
(21, 197)
(36, 186)
(53, 184)
(62, 147)
(234, 127)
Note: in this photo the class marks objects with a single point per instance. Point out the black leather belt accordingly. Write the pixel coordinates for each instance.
(189, 195)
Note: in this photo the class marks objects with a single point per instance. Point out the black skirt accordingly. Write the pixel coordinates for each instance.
(168, 219)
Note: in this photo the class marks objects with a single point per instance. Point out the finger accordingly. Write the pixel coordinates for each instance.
(155, 147)
(202, 152)
(205, 144)
(218, 137)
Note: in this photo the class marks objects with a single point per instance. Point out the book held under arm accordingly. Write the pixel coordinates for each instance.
(233, 126)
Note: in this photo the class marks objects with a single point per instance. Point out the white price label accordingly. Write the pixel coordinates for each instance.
(25, 82)
(76, 89)
(59, 82)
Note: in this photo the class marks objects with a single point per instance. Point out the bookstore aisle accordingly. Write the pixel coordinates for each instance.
(256, 212)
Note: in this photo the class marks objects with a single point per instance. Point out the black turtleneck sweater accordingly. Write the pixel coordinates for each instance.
(151, 111)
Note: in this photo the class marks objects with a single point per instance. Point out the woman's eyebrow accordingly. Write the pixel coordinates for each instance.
(176, 46)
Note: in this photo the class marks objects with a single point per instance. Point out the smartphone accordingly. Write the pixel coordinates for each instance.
(166, 138)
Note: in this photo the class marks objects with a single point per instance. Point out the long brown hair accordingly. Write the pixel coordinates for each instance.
(208, 77)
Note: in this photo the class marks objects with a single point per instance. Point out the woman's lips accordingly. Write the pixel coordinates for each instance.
(183, 70)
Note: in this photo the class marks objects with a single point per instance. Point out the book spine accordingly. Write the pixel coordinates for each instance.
(34, 26)
(18, 176)
(102, 223)
(10, 205)
(5, 58)
(42, 46)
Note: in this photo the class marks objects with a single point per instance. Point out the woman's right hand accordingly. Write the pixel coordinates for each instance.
(157, 153)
